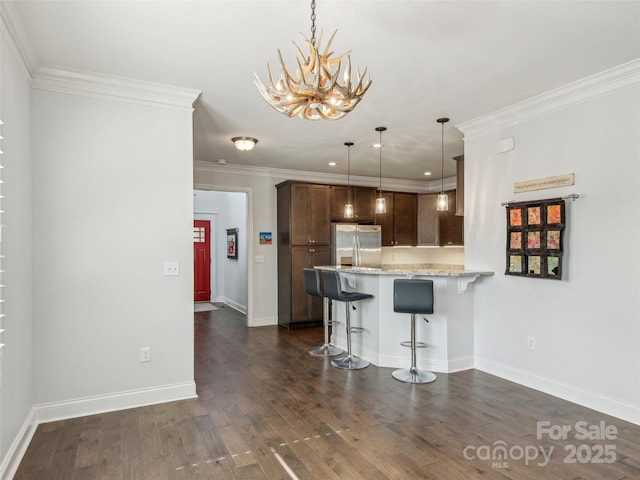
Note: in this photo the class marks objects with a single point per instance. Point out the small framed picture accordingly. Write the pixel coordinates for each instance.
(232, 243)
(265, 238)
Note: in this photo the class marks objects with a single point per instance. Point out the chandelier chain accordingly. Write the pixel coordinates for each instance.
(313, 22)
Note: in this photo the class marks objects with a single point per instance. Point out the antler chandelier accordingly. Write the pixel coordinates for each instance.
(315, 92)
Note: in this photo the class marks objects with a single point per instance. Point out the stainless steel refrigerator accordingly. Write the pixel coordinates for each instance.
(356, 245)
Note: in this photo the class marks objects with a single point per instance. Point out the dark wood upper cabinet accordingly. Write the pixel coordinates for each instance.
(428, 219)
(362, 199)
(451, 226)
(405, 211)
(399, 224)
(310, 217)
(439, 228)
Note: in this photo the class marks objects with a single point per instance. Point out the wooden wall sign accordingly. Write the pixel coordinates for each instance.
(544, 183)
(534, 238)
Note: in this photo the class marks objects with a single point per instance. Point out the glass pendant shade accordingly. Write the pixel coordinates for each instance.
(381, 205)
(348, 211)
(443, 202)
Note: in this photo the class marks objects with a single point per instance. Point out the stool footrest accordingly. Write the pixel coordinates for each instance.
(418, 344)
(356, 329)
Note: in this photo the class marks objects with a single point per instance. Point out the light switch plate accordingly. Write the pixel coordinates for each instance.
(259, 258)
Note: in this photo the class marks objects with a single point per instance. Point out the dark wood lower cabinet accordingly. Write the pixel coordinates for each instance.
(296, 308)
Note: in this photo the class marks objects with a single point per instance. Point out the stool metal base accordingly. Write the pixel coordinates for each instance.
(326, 350)
(409, 375)
(350, 363)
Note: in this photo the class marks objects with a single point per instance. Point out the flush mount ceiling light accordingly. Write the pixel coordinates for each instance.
(443, 198)
(244, 144)
(315, 92)
(348, 207)
(381, 203)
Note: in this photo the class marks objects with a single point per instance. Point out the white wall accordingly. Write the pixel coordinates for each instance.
(587, 325)
(230, 211)
(112, 203)
(16, 390)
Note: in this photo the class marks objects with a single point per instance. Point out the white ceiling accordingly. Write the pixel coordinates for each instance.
(427, 59)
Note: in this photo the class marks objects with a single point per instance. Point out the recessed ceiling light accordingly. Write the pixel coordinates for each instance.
(427, 174)
(377, 145)
(332, 164)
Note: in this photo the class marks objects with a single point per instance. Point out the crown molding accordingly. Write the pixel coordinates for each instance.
(99, 85)
(281, 174)
(602, 83)
(19, 41)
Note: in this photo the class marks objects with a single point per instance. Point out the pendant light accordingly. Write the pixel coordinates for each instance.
(443, 198)
(348, 208)
(381, 204)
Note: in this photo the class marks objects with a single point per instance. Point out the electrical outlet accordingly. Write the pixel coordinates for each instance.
(531, 343)
(145, 354)
(171, 269)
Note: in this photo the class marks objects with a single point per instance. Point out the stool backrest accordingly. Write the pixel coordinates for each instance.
(412, 295)
(312, 282)
(331, 283)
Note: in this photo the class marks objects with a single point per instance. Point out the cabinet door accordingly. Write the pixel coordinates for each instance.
(339, 197)
(428, 231)
(385, 220)
(299, 219)
(310, 214)
(320, 214)
(305, 307)
(405, 212)
(364, 200)
(451, 226)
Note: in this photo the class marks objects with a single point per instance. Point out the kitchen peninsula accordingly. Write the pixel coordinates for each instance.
(449, 333)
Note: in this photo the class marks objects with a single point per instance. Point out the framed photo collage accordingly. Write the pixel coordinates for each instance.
(534, 238)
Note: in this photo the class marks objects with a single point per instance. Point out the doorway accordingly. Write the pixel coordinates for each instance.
(230, 275)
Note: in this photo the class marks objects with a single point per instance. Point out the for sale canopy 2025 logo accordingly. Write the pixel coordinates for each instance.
(586, 444)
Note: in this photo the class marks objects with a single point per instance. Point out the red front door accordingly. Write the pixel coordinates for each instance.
(201, 261)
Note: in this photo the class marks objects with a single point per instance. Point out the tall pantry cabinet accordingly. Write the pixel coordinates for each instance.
(304, 237)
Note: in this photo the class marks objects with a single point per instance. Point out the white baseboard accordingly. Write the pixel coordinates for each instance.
(18, 448)
(609, 406)
(263, 322)
(118, 401)
(227, 301)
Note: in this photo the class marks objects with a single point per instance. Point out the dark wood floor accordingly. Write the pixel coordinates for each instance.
(266, 409)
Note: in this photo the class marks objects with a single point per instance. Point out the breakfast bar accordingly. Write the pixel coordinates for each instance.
(449, 333)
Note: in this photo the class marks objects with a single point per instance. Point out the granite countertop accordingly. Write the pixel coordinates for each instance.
(428, 269)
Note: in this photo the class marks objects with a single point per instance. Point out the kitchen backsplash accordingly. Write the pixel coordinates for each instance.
(421, 255)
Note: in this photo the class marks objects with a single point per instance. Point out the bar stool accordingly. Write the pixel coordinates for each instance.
(333, 290)
(312, 287)
(413, 296)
